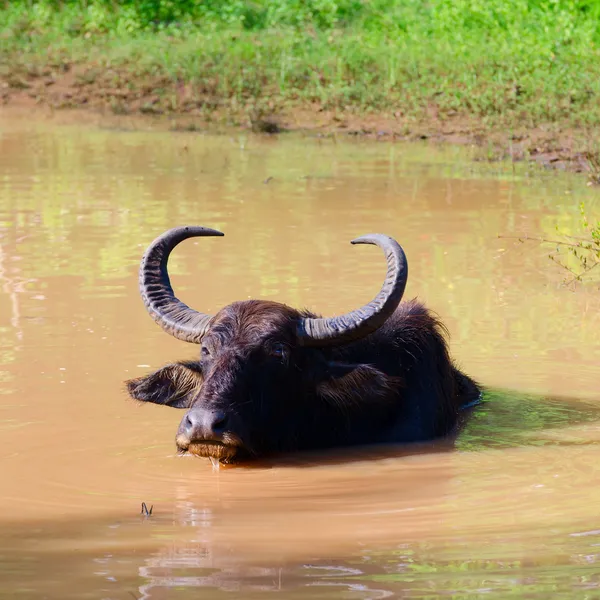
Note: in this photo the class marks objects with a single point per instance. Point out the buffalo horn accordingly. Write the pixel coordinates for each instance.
(171, 314)
(363, 321)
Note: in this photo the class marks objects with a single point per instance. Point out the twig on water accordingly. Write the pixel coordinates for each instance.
(580, 275)
(526, 238)
(586, 251)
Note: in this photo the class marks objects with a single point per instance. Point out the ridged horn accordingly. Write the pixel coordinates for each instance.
(367, 319)
(171, 314)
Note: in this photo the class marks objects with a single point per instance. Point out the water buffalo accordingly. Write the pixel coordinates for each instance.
(273, 379)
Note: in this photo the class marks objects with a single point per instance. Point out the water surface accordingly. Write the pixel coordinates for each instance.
(512, 511)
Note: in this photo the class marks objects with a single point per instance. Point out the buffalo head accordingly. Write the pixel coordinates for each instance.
(268, 378)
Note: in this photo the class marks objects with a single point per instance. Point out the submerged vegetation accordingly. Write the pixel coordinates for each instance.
(523, 62)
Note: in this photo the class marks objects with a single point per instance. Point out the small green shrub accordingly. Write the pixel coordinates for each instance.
(585, 250)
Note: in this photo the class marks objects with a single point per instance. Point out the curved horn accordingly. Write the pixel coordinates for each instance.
(359, 323)
(171, 314)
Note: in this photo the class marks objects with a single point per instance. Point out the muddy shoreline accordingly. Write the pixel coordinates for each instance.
(84, 94)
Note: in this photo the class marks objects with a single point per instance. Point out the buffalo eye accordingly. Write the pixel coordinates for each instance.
(279, 351)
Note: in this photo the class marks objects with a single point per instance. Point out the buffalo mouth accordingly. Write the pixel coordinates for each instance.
(213, 449)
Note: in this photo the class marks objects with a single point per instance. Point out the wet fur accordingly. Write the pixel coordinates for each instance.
(396, 385)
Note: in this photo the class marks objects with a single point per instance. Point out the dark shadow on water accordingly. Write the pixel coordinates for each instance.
(508, 419)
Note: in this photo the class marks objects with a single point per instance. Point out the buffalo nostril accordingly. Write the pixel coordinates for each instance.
(189, 424)
(218, 423)
(202, 424)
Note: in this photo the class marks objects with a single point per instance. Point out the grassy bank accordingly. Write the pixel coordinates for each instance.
(499, 65)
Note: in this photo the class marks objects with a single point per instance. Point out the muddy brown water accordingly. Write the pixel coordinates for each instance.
(511, 511)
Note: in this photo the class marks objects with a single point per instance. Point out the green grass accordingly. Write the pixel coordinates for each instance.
(504, 62)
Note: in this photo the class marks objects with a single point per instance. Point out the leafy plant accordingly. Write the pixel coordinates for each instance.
(585, 250)
(578, 255)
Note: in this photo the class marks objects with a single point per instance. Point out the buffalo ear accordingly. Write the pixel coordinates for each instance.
(350, 385)
(174, 385)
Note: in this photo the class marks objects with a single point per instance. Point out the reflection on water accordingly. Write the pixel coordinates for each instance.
(509, 419)
(510, 512)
